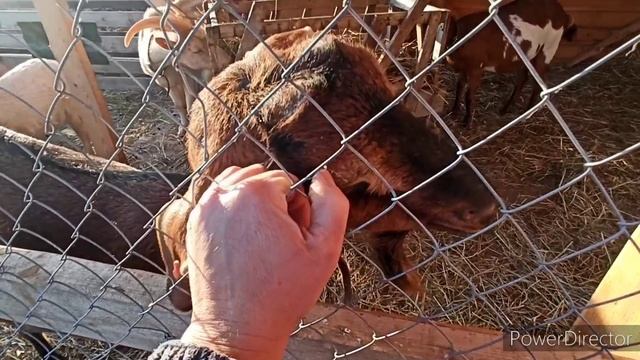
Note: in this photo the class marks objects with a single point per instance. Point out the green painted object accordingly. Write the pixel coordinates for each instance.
(37, 41)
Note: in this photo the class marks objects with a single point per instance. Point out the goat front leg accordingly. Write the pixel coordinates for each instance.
(541, 68)
(177, 93)
(474, 79)
(521, 80)
(460, 88)
(394, 263)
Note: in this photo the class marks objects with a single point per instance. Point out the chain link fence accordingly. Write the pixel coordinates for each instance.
(563, 173)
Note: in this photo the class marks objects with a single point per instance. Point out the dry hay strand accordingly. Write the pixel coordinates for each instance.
(153, 139)
(496, 280)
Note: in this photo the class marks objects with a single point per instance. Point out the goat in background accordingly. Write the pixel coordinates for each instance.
(538, 27)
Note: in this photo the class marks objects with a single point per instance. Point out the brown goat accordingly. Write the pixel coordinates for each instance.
(537, 25)
(60, 194)
(347, 82)
(59, 197)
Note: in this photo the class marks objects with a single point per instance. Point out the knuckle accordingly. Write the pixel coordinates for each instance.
(259, 167)
(279, 173)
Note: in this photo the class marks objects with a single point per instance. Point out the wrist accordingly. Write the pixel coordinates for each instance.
(237, 345)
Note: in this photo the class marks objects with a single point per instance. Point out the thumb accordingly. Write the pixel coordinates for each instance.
(329, 213)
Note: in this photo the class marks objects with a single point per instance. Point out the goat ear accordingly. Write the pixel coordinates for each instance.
(166, 42)
(177, 270)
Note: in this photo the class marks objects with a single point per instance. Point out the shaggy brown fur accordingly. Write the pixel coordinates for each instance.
(347, 82)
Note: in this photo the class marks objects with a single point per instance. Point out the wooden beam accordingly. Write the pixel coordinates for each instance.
(378, 26)
(408, 24)
(428, 42)
(112, 44)
(93, 127)
(620, 316)
(25, 273)
(103, 18)
(258, 13)
(424, 58)
(129, 63)
(616, 37)
(230, 30)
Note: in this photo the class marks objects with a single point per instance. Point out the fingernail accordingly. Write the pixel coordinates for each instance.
(320, 172)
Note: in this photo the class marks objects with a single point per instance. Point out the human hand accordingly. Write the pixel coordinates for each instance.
(259, 259)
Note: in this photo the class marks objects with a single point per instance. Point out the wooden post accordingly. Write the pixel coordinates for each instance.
(258, 13)
(620, 316)
(93, 126)
(25, 273)
(617, 36)
(409, 23)
(427, 41)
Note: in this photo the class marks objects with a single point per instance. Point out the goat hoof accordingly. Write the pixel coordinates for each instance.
(410, 284)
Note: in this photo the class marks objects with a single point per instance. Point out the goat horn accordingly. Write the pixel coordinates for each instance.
(151, 22)
(181, 25)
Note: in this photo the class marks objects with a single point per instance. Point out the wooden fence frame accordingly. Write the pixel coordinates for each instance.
(342, 330)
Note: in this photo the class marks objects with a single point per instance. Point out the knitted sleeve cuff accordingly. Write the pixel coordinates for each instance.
(176, 350)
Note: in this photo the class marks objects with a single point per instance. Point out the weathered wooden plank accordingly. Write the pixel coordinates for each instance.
(112, 44)
(131, 64)
(87, 4)
(25, 273)
(229, 30)
(105, 19)
(93, 128)
(620, 316)
(258, 13)
(125, 297)
(414, 15)
(464, 7)
(121, 83)
(618, 36)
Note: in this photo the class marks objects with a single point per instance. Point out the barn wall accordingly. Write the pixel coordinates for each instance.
(596, 19)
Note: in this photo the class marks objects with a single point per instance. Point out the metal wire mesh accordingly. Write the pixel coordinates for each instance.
(151, 302)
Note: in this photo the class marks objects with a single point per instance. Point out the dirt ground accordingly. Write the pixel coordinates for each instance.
(525, 162)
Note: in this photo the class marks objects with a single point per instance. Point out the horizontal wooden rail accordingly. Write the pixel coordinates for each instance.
(9, 19)
(131, 64)
(112, 44)
(25, 273)
(232, 29)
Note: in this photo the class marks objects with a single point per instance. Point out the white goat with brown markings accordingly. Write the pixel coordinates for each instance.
(538, 26)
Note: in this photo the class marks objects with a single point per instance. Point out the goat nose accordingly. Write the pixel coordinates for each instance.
(480, 214)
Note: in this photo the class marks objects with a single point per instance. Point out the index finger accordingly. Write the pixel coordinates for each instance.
(280, 180)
